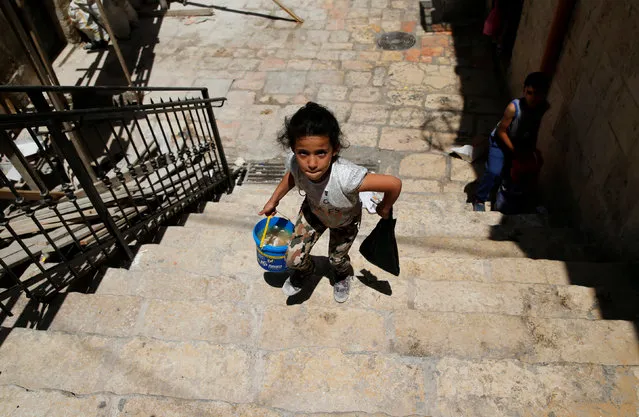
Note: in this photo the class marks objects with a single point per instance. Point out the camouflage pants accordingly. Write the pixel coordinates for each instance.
(308, 229)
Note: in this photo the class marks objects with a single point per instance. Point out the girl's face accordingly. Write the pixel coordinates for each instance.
(314, 155)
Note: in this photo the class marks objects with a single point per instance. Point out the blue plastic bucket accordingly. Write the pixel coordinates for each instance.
(271, 258)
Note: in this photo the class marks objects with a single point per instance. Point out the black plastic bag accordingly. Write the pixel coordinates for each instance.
(380, 247)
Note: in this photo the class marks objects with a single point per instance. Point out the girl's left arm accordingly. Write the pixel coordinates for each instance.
(387, 184)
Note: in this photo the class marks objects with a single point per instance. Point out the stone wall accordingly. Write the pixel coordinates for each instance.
(529, 46)
(590, 137)
(16, 67)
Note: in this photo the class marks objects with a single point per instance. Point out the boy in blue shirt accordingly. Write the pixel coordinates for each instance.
(515, 134)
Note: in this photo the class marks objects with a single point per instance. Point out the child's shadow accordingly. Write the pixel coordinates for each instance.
(323, 270)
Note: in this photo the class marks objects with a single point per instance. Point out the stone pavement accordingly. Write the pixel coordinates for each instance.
(472, 327)
(390, 103)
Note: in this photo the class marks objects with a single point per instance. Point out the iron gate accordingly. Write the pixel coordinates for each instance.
(94, 180)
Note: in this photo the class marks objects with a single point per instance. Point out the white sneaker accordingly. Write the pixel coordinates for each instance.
(342, 289)
(288, 289)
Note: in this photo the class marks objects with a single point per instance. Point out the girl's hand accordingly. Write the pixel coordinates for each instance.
(384, 211)
(387, 184)
(269, 209)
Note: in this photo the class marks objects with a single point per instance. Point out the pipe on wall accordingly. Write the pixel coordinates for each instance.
(556, 35)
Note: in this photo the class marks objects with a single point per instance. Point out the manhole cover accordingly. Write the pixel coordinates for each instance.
(396, 41)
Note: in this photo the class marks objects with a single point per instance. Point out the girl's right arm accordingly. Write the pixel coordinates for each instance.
(286, 185)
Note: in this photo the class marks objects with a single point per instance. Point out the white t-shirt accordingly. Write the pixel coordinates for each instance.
(334, 200)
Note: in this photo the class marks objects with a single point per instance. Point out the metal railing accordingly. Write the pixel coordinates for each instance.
(87, 183)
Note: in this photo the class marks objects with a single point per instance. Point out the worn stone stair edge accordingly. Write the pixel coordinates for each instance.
(246, 279)
(255, 352)
(478, 228)
(255, 309)
(401, 209)
(536, 330)
(236, 221)
(408, 249)
(588, 271)
(535, 271)
(525, 244)
(259, 308)
(469, 226)
(242, 194)
(502, 251)
(116, 404)
(486, 263)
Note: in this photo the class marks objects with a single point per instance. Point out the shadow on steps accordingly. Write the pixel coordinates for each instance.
(323, 270)
(615, 285)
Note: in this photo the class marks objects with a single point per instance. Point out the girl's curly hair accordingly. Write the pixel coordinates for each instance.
(311, 120)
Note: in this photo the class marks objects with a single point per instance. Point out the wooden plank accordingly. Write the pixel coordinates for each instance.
(28, 226)
(29, 195)
(26, 229)
(84, 231)
(64, 207)
(177, 13)
(83, 202)
(287, 10)
(15, 255)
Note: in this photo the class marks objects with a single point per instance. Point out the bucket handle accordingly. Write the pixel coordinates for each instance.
(285, 216)
(268, 220)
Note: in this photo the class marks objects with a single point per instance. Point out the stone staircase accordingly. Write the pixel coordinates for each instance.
(491, 316)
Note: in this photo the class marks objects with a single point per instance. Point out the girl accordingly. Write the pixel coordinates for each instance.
(331, 185)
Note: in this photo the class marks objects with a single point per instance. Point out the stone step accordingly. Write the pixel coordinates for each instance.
(258, 197)
(175, 284)
(415, 187)
(139, 376)
(430, 217)
(465, 322)
(84, 364)
(540, 287)
(224, 322)
(378, 290)
(404, 210)
(412, 223)
(171, 284)
(540, 243)
(519, 270)
(19, 402)
(442, 218)
(433, 214)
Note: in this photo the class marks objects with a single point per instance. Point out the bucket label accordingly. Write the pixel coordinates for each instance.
(271, 263)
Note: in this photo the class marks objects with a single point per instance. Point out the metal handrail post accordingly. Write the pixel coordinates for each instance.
(83, 176)
(116, 46)
(40, 103)
(218, 140)
(10, 149)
